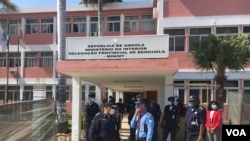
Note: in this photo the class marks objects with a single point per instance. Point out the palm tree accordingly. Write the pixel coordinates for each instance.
(218, 54)
(8, 5)
(100, 11)
(62, 124)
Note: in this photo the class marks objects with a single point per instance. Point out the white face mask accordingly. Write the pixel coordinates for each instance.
(214, 106)
(112, 111)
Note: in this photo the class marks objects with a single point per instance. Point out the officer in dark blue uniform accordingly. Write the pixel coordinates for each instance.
(91, 109)
(104, 126)
(195, 120)
(170, 120)
(143, 121)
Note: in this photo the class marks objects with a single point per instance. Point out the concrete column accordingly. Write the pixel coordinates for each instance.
(98, 93)
(21, 92)
(88, 25)
(122, 24)
(76, 108)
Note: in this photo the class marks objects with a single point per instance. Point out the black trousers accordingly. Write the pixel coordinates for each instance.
(141, 139)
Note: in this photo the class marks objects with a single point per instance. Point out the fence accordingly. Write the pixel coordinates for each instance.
(29, 121)
(238, 108)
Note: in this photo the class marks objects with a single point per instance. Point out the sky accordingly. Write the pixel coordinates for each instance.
(25, 3)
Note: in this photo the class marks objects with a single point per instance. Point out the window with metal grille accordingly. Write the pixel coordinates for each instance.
(79, 24)
(31, 59)
(148, 23)
(46, 59)
(47, 25)
(113, 23)
(31, 26)
(14, 59)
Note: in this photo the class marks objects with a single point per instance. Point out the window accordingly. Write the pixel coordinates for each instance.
(246, 29)
(148, 23)
(131, 23)
(246, 95)
(68, 25)
(230, 86)
(201, 91)
(46, 59)
(113, 23)
(2, 92)
(31, 26)
(222, 31)
(47, 25)
(14, 26)
(83, 92)
(79, 24)
(4, 25)
(91, 89)
(31, 59)
(13, 93)
(28, 93)
(94, 24)
(14, 59)
(176, 39)
(49, 93)
(179, 90)
(197, 35)
(2, 59)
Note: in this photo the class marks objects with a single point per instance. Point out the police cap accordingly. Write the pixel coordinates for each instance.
(193, 98)
(108, 104)
(142, 100)
(171, 98)
(92, 95)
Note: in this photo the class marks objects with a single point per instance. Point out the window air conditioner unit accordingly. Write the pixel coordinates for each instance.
(93, 33)
(13, 72)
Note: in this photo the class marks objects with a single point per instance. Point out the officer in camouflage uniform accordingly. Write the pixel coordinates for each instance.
(91, 109)
(104, 126)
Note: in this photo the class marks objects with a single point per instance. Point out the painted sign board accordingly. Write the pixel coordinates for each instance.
(118, 47)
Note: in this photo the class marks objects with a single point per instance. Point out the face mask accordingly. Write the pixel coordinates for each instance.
(92, 99)
(112, 111)
(214, 106)
(191, 104)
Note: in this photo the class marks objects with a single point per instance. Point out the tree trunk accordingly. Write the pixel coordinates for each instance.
(220, 79)
(62, 124)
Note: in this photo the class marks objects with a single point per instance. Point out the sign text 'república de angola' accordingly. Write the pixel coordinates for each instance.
(125, 47)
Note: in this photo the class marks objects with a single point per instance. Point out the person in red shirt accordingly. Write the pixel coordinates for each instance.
(213, 121)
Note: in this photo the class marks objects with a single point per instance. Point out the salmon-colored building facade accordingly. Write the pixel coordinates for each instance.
(35, 65)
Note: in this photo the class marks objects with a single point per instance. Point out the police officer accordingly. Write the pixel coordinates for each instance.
(91, 109)
(195, 120)
(104, 126)
(170, 119)
(155, 110)
(143, 121)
